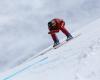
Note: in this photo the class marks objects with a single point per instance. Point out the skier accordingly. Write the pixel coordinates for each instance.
(54, 26)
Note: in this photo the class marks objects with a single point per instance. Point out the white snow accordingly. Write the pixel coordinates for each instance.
(76, 60)
(23, 25)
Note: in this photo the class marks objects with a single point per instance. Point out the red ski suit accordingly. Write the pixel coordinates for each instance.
(59, 25)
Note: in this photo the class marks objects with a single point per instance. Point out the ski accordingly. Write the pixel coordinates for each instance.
(50, 48)
(65, 41)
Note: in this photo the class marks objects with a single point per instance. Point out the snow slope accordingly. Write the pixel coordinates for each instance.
(76, 60)
(22, 22)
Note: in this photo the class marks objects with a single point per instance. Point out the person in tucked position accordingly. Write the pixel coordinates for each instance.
(54, 26)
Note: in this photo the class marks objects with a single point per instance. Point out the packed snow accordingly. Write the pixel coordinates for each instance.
(76, 60)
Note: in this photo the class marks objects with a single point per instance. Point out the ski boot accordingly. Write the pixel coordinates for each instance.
(69, 37)
(56, 43)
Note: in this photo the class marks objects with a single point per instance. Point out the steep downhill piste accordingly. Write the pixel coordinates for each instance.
(78, 59)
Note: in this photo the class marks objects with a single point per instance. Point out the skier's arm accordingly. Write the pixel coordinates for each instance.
(62, 23)
(52, 31)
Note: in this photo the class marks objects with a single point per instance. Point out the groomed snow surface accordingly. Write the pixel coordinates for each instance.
(79, 59)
